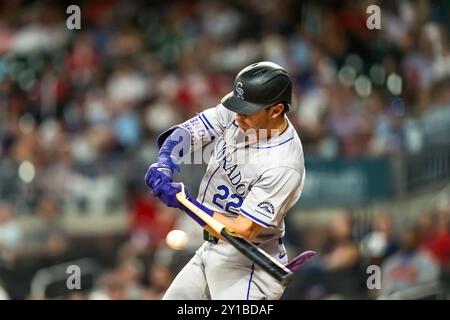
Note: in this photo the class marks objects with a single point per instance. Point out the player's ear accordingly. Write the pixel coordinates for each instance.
(277, 110)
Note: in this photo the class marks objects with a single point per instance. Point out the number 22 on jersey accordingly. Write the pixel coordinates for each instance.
(225, 201)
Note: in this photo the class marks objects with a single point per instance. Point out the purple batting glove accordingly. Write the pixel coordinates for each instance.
(159, 182)
(300, 260)
(168, 193)
(156, 176)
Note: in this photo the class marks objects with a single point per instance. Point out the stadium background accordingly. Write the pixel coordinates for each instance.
(80, 110)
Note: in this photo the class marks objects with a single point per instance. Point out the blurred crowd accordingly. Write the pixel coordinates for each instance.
(80, 109)
(412, 256)
(73, 103)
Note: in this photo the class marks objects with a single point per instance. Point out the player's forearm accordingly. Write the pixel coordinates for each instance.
(240, 225)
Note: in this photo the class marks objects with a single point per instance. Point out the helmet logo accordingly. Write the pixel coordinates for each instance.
(239, 91)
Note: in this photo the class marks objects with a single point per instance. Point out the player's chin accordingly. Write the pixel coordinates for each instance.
(242, 126)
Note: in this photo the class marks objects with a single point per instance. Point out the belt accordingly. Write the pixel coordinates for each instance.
(212, 239)
(209, 237)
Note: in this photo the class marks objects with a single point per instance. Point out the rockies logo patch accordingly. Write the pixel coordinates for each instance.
(265, 208)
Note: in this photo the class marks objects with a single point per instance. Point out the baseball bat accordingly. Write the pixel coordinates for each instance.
(265, 261)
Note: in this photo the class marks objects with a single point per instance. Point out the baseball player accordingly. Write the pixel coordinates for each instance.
(254, 176)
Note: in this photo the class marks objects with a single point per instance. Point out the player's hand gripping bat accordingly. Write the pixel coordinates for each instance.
(269, 264)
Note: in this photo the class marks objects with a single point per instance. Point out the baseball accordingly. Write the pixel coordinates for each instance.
(177, 239)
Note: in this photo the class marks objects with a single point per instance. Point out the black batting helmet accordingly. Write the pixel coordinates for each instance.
(259, 86)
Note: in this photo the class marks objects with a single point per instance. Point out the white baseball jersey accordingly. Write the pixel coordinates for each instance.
(260, 180)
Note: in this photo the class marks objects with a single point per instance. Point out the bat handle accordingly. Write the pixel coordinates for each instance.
(182, 188)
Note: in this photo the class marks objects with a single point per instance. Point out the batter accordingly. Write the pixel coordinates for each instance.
(254, 176)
